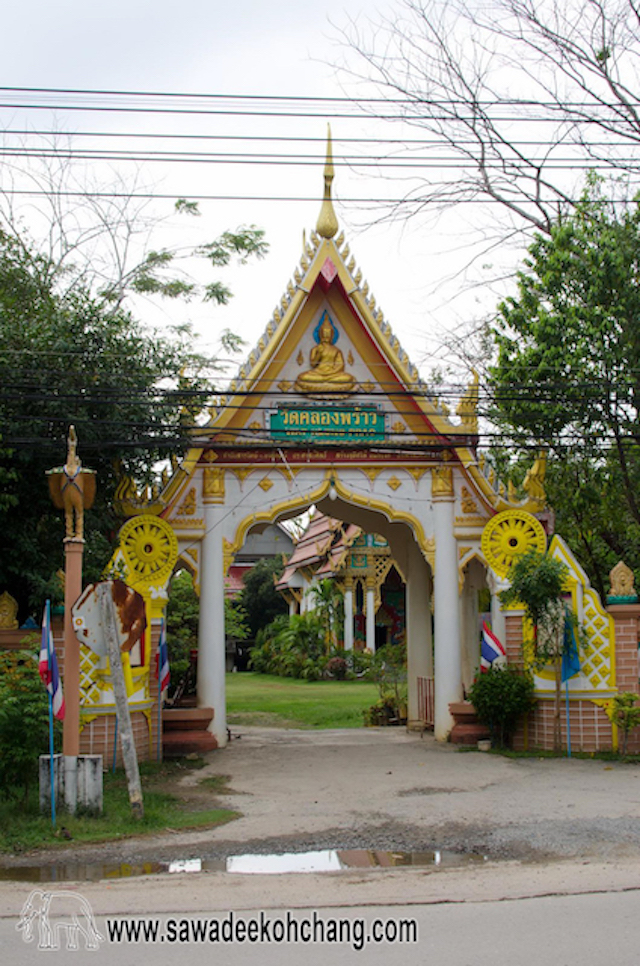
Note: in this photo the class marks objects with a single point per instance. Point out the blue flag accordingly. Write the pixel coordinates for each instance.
(570, 656)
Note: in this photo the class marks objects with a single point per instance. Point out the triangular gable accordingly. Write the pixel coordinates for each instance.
(375, 401)
(377, 373)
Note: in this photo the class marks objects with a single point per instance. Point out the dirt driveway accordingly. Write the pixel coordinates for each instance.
(387, 789)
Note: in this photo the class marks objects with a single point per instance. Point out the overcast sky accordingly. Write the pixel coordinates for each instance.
(243, 47)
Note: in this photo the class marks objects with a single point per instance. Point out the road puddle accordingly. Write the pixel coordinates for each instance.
(324, 860)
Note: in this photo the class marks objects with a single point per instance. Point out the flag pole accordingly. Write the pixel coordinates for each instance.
(158, 659)
(50, 695)
(115, 742)
(566, 685)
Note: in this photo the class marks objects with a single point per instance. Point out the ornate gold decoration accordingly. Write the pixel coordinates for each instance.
(72, 489)
(468, 406)
(193, 523)
(210, 456)
(188, 506)
(284, 385)
(533, 484)
(468, 503)
(350, 358)
(398, 427)
(622, 581)
(300, 357)
(394, 483)
(327, 373)
(508, 535)
(256, 425)
(371, 472)
(430, 552)
(417, 472)
(327, 224)
(463, 551)
(367, 387)
(8, 612)
(442, 481)
(265, 484)
(213, 485)
(471, 521)
(228, 553)
(242, 472)
(150, 549)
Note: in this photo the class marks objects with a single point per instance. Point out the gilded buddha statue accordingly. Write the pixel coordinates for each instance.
(327, 373)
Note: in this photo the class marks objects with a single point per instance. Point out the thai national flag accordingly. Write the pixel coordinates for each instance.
(48, 665)
(162, 660)
(491, 650)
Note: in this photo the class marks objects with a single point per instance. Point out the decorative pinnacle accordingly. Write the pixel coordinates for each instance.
(327, 224)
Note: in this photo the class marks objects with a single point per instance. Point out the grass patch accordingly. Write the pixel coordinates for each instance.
(289, 702)
(605, 755)
(216, 784)
(24, 829)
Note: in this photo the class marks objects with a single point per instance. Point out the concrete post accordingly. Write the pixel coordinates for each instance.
(73, 551)
(211, 639)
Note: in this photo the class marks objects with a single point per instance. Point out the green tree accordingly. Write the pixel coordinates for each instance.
(183, 614)
(537, 583)
(259, 599)
(568, 375)
(24, 722)
(79, 358)
(328, 605)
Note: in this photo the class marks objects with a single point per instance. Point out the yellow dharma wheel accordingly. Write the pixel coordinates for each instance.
(150, 549)
(508, 535)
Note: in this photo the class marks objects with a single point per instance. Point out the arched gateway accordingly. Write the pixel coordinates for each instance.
(329, 410)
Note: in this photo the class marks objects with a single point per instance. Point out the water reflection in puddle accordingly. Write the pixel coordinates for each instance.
(325, 860)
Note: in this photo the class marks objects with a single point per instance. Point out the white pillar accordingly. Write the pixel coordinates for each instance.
(418, 620)
(371, 618)
(498, 623)
(211, 639)
(348, 619)
(448, 676)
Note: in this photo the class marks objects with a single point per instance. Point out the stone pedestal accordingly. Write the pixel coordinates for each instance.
(83, 772)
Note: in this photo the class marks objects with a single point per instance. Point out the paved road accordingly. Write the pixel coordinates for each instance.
(579, 930)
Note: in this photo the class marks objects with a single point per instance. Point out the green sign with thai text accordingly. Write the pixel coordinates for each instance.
(328, 425)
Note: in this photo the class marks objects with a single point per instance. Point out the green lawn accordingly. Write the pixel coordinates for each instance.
(166, 805)
(290, 703)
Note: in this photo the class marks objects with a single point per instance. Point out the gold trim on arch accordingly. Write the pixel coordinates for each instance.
(313, 496)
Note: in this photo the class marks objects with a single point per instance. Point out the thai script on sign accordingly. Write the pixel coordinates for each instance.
(328, 423)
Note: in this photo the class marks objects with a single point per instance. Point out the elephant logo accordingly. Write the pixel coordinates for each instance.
(57, 911)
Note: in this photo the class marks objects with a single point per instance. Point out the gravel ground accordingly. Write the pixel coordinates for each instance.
(384, 789)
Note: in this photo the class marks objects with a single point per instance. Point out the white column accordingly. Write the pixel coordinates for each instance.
(498, 623)
(211, 639)
(371, 618)
(448, 671)
(418, 619)
(348, 619)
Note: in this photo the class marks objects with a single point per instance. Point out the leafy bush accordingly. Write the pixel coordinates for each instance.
(292, 647)
(24, 722)
(625, 715)
(389, 670)
(337, 668)
(501, 698)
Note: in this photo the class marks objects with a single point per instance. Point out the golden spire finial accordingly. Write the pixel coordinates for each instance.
(327, 224)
